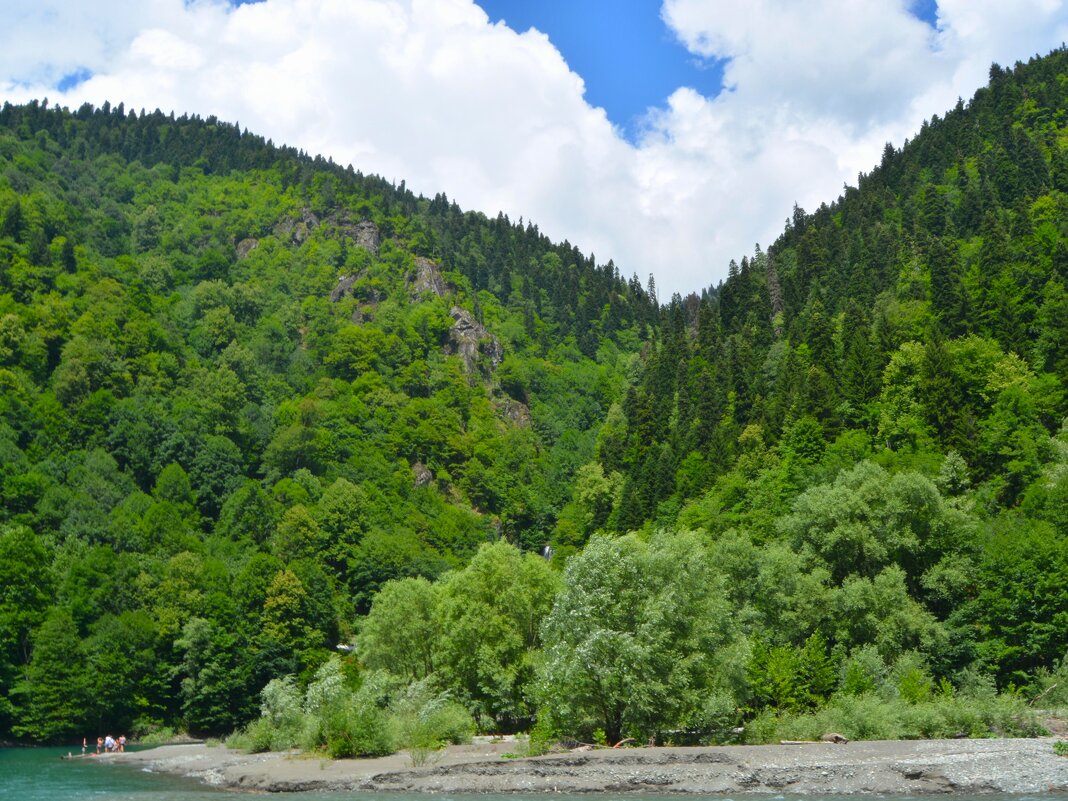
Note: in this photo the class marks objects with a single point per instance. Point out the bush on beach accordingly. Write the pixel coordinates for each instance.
(425, 720)
(872, 717)
(378, 718)
(874, 700)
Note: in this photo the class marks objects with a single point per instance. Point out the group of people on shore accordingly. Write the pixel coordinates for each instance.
(106, 744)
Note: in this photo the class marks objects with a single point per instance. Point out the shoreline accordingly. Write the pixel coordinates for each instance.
(900, 767)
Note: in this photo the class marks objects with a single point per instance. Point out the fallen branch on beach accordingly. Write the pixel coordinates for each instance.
(600, 746)
(831, 737)
(1048, 689)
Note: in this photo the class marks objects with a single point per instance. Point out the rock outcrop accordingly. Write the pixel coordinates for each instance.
(511, 409)
(341, 224)
(361, 233)
(296, 230)
(469, 339)
(365, 235)
(427, 279)
(246, 246)
(422, 474)
(344, 287)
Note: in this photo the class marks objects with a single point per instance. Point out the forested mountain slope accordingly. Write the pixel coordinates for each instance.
(252, 402)
(244, 388)
(877, 404)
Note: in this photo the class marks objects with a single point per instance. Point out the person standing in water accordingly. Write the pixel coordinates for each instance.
(85, 744)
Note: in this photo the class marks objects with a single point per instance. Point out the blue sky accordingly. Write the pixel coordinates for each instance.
(624, 52)
(628, 57)
(641, 159)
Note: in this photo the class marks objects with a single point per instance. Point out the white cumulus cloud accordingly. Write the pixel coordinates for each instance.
(431, 92)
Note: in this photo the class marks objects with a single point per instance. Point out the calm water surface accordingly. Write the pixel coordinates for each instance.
(39, 774)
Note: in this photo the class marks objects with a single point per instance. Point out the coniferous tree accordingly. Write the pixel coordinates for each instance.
(55, 690)
(940, 393)
(1052, 344)
(947, 293)
(858, 377)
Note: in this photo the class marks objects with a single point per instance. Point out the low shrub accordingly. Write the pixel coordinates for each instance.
(160, 735)
(425, 721)
(281, 719)
(543, 736)
(1050, 690)
(873, 717)
(357, 730)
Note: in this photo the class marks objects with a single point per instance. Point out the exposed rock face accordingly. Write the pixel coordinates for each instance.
(469, 339)
(422, 473)
(343, 288)
(297, 230)
(363, 233)
(428, 278)
(515, 411)
(492, 348)
(246, 246)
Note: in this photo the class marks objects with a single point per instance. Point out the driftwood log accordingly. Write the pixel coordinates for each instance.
(595, 746)
(830, 737)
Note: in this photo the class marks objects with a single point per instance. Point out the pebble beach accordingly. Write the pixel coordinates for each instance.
(921, 767)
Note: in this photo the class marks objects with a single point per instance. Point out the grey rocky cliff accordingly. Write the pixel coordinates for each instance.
(469, 339)
(428, 279)
(365, 235)
(344, 287)
(341, 224)
(296, 230)
(423, 476)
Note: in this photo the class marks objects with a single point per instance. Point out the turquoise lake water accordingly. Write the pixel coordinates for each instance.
(39, 774)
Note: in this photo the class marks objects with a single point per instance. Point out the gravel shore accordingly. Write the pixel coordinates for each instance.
(879, 767)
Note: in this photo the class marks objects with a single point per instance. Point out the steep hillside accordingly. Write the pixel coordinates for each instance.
(883, 393)
(255, 405)
(245, 387)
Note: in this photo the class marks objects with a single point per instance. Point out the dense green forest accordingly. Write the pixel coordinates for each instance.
(256, 405)
(242, 389)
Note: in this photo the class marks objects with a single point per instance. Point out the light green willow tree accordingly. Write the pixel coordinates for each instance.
(402, 631)
(491, 614)
(640, 640)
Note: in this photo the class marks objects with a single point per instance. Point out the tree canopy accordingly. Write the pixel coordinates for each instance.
(255, 405)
